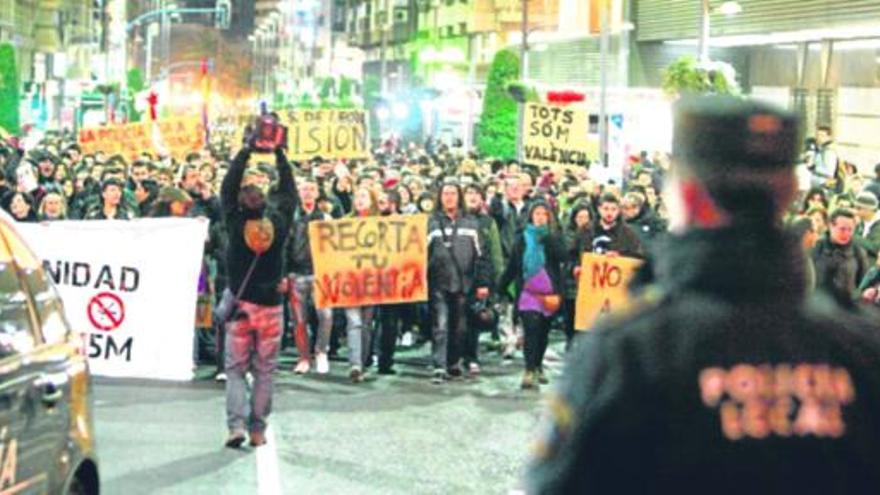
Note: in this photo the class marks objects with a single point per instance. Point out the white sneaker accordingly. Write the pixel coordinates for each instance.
(220, 377)
(407, 339)
(302, 367)
(322, 364)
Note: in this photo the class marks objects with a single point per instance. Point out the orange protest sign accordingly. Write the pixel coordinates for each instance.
(176, 137)
(602, 287)
(369, 261)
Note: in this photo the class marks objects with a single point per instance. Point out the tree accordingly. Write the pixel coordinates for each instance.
(136, 84)
(9, 90)
(685, 75)
(498, 123)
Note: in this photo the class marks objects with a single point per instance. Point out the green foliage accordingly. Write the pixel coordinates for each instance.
(328, 88)
(136, 84)
(9, 90)
(345, 93)
(498, 124)
(685, 75)
(305, 102)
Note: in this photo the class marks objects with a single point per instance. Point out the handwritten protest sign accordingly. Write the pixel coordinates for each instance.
(602, 287)
(176, 137)
(328, 133)
(369, 261)
(556, 136)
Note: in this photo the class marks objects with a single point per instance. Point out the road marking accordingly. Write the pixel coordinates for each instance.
(268, 476)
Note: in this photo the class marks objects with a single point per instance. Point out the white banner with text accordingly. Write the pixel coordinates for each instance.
(129, 287)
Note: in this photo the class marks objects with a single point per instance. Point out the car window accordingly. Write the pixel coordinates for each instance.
(16, 336)
(48, 304)
(22, 254)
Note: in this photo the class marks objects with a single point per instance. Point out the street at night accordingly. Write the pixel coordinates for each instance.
(389, 435)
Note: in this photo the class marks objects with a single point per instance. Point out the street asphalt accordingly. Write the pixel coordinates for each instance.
(389, 435)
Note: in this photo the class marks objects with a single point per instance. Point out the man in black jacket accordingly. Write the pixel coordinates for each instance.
(641, 218)
(257, 228)
(840, 262)
(458, 268)
(610, 233)
(302, 275)
(723, 377)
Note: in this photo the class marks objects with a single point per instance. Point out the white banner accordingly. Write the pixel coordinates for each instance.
(129, 287)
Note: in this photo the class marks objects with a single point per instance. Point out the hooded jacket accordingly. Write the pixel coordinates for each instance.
(262, 287)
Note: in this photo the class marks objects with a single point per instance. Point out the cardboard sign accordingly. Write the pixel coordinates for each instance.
(369, 261)
(175, 137)
(602, 287)
(556, 136)
(328, 133)
(130, 289)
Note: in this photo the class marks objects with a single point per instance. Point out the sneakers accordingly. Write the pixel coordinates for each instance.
(474, 369)
(542, 378)
(220, 376)
(455, 372)
(235, 439)
(302, 367)
(322, 364)
(528, 381)
(407, 339)
(356, 374)
(440, 376)
(257, 438)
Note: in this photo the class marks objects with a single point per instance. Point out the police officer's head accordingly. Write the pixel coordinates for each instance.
(733, 162)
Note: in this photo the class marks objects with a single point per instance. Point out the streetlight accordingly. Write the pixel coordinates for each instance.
(706, 11)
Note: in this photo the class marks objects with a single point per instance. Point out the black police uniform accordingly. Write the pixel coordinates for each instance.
(723, 377)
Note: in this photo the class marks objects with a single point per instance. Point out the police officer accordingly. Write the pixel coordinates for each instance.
(722, 377)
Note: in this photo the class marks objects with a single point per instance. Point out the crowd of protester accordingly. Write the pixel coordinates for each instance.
(505, 238)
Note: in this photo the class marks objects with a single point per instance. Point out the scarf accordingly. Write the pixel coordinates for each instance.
(533, 258)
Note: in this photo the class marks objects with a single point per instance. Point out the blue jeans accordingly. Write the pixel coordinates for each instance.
(359, 326)
(253, 339)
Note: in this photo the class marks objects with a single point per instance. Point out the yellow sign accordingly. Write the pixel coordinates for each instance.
(556, 136)
(602, 287)
(369, 261)
(176, 137)
(328, 133)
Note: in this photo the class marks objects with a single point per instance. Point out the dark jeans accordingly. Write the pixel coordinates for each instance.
(450, 318)
(536, 327)
(391, 316)
(570, 305)
(471, 352)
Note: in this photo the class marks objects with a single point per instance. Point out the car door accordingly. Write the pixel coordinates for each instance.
(52, 358)
(22, 466)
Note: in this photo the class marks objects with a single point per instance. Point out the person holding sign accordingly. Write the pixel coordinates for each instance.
(359, 320)
(535, 267)
(724, 375)
(257, 226)
(458, 268)
(301, 272)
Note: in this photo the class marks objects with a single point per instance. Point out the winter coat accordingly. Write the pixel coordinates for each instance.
(510, 222)
(648, 402)
(620, 238)
(299, 254)
(458, 259)
(555, 258)
(840, 269)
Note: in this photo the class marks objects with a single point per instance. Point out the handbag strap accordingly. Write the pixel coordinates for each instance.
(247, 277)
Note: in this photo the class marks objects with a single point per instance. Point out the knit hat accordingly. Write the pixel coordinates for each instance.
(867, 200)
